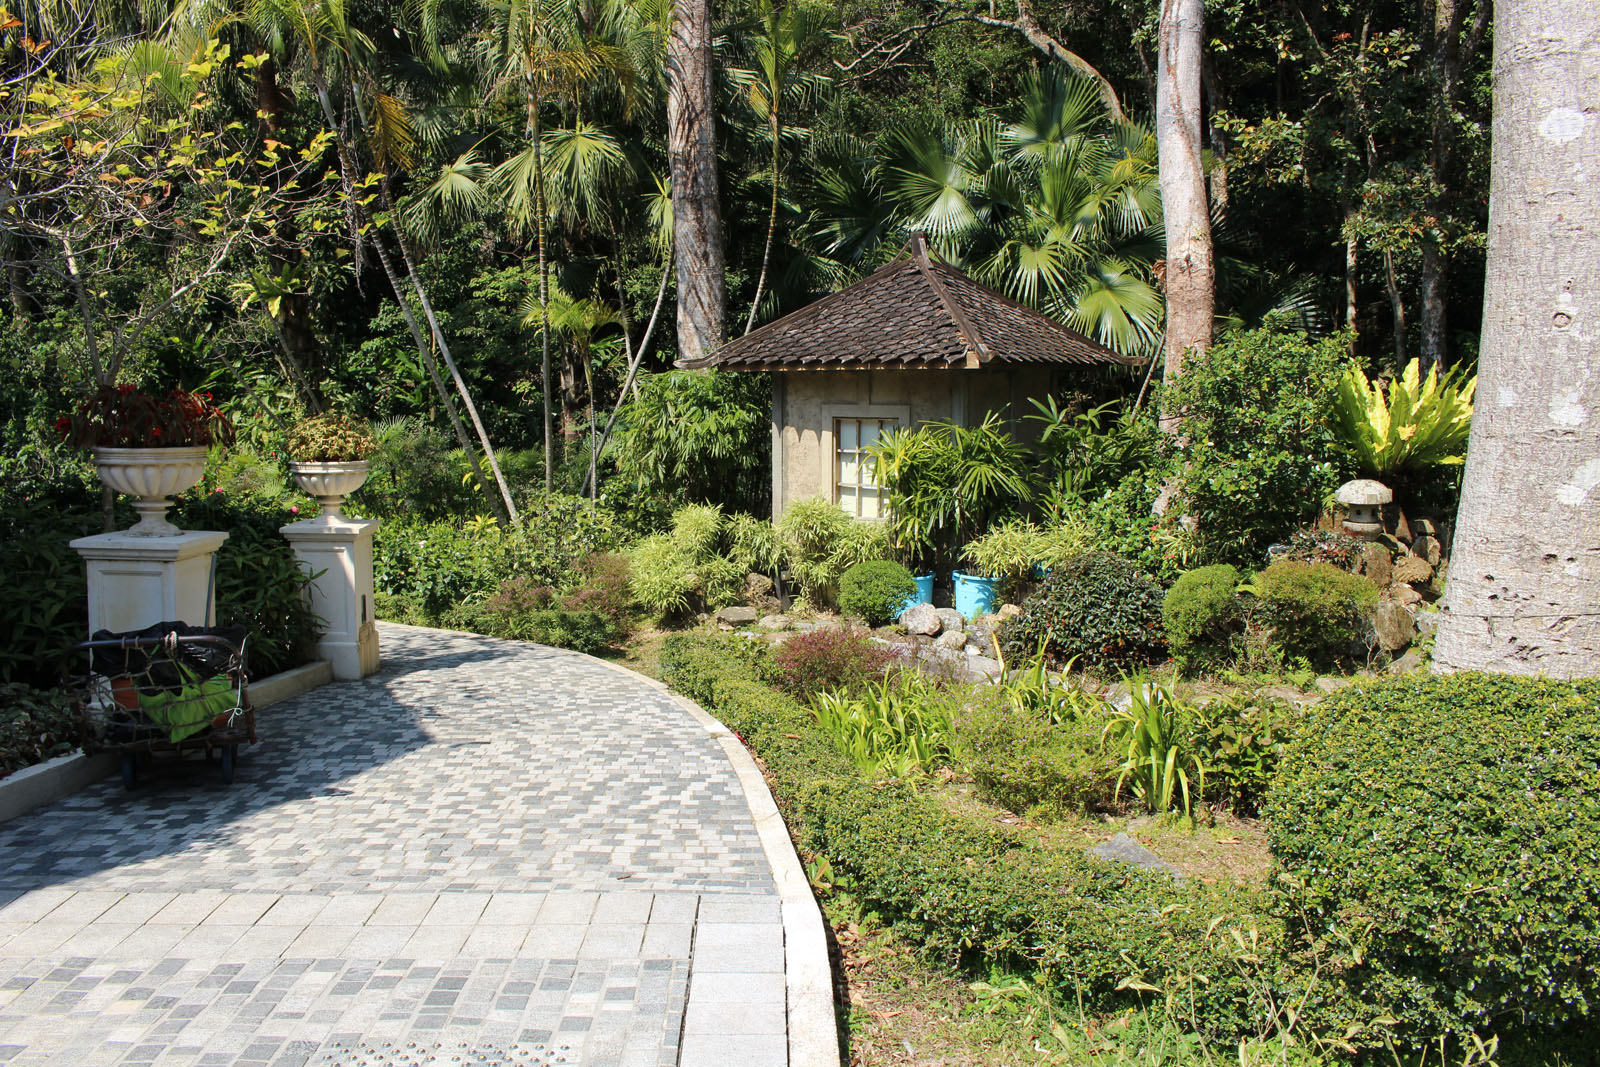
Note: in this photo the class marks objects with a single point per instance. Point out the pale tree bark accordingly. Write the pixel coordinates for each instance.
(1190, 277)
(1524, 580)
(696, 204)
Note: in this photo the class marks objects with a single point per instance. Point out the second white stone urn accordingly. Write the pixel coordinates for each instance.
(330, 482)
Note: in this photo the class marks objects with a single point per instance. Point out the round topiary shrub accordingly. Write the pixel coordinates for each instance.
(1316, 610)
(1097, 607)
(1451, 826)
(875, 590)
(1201, 612)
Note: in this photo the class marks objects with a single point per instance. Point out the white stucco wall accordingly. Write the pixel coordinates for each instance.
(805, 403)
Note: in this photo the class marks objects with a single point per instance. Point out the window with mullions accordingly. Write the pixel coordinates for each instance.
(854, 489)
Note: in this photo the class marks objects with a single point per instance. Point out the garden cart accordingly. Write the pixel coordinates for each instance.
(169, 688)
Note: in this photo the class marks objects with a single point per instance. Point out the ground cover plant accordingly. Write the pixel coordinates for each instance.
(1449, 824)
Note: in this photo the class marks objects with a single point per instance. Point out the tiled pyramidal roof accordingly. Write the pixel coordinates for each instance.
(916, 312)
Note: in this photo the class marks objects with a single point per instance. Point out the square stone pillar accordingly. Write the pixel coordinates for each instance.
(137, 581)
(341, 594)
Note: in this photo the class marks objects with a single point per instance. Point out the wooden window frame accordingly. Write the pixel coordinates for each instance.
(863, 480)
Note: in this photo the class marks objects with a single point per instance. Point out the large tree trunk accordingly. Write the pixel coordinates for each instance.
(692, 158)
(1190, 279)
(1524, 582)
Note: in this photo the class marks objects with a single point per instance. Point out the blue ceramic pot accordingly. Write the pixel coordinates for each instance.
(974, 594)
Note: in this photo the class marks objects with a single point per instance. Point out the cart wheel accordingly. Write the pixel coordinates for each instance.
(228, 752)
(130, 770)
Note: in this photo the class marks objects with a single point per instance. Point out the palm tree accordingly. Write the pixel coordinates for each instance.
(1059, 209)
(545, 51)
(774, 81)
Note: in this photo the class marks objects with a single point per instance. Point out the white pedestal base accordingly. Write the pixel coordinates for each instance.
(341, 596)
(136, 581)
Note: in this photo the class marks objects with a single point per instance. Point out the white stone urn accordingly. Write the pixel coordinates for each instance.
(330, 481)
(152, 475)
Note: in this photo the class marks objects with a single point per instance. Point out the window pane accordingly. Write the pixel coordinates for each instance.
(869, 504)
(869, 431)
(847, 499)
(848, 434)
(849, 468)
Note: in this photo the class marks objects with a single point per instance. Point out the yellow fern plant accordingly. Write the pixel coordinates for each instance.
(1420, 423)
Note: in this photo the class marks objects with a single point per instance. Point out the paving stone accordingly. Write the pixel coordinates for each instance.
(488, 852)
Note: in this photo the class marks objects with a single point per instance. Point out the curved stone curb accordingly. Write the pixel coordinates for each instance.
(808, 976)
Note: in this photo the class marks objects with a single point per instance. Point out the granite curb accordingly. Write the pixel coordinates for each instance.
(808, 976)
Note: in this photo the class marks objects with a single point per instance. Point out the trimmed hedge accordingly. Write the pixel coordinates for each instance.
(1452, 824)
(976, 892)
(1201, 613)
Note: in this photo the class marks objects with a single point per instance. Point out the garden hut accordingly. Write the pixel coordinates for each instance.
(917, 341)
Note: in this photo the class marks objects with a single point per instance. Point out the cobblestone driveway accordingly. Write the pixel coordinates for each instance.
(489, 852)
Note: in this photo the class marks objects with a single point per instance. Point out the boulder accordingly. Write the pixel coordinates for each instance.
(1377, 564)
(1394, 624)
(922, 619)
(1428, 622)
(952, 639)
(1412, 569)
(951, 619)
(776, 623)
(737, 615)
(1009, 611)
(1407, 663)
(756, 586)
(1124, 849)
(1400, 593)
(1428, 547)
(979, 667)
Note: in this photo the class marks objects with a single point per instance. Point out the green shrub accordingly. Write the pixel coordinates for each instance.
(259, 583)
(1317, 611)
(47, 607)
(828, 659)
(437, 566)
(1240, 739)
(1201, 613)
(1096, 607)
(35, 725)
(820, 543)
(978, 893)
(875, 590)
(1025, 762)
(1451, 824)
(1258, 452)
(686, 569)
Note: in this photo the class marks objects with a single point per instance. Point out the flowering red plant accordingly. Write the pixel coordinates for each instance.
(123, 416)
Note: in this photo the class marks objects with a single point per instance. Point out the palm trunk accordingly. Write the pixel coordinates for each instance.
(772, 218)
(1190, 280)
(544, 286)
(509, 510)
(696, 200)
(1524, 580)
(347, 181)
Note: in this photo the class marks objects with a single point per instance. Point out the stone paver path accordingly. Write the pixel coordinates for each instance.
(489, 852)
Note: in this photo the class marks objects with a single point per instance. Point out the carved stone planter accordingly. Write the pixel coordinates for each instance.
(152, 475)
(330, 482)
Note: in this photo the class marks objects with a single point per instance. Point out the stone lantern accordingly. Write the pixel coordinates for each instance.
(1363, 500)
